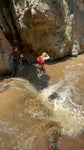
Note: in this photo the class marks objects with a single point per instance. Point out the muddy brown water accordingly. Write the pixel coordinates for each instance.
(34, 113)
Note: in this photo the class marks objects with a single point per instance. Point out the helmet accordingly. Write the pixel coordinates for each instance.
(43, 54)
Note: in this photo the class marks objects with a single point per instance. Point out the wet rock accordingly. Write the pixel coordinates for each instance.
(53, 96)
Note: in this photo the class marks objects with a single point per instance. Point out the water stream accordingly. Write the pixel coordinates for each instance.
(34, 112)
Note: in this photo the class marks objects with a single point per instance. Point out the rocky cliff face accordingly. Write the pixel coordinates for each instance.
(5, 48)
(7, 21)
(8, 36)
(39, 27)
(54, 26)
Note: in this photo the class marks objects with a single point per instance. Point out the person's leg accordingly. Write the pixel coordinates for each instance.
(17, 70)
(39, 71)
(38, 68)
(42, 71)
(13, 69)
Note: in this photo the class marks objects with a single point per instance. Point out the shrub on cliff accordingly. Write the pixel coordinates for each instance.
(66, 32)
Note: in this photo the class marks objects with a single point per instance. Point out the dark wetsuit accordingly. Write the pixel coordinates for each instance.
(16, 62)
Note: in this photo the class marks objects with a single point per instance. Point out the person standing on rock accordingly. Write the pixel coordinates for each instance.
(41, 61)
(17, 58)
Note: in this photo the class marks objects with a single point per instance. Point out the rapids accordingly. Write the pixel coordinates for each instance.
(35, 112)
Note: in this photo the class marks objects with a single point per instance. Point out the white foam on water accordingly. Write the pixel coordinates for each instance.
(5, 127)
(66, 100)
(49, 90)
(65, 89)
(2, 88)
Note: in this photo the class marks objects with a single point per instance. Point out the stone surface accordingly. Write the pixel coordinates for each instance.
(41, 25)
(5, 49)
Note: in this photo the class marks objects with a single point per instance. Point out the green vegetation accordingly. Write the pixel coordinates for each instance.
(72, 17)
(66, 32)
(14, 1)
(62, 29)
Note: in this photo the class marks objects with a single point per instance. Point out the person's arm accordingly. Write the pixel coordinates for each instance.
(19, 53)
(21, 58)
(45, 58)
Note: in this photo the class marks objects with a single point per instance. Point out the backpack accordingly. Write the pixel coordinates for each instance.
(39, 59)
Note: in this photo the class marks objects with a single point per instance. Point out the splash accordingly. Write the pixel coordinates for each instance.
(68, 100)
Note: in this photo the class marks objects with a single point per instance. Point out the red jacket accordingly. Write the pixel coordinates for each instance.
(41, 63)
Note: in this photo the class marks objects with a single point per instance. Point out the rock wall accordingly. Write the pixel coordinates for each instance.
(54, 26)
(39, 27)
(78, 26)
(5, 49)
(80, 4)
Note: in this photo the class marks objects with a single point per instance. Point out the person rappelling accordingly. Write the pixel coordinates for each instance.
(41, 61)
